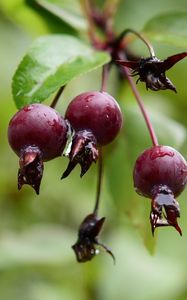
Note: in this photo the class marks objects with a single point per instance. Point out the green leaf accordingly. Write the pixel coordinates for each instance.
(69, 11)
(170, 28)
(51, 62)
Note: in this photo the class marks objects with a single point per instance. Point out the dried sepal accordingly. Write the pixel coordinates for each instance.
(85, 247)
(83, 152)
(164, 210)
(31, 168)
(172, 60)
(152, 70)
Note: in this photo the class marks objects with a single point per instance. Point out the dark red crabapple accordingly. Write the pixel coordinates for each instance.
(97, 119)
(160, 173)
(97, 112)
(36, 133)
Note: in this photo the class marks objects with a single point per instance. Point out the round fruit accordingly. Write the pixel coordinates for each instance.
(98, 112)
(160, 166)
(39, 126)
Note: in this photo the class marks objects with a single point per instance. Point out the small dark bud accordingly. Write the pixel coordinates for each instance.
(152, 70)
(89, 229)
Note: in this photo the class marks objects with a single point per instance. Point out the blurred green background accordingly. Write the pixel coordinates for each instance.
(36, 232)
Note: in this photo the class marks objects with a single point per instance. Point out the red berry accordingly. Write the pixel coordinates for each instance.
(36, 133)
(40, 126)
(98, 112)
(160, 165)
(160, 173)
(97, 119)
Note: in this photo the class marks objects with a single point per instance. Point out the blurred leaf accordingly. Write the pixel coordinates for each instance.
(18, 11)
(68, 10)
(133, 141)
(38, 245)
(168, 28)
(119, 176)
(36, 284)
(33, 18)
(134, 14)
(11, 38)
(51, 62)
(133, 262)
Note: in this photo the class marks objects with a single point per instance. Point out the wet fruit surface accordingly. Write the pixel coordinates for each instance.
(160, 165)
(98, 112)
(160, 173)
(39, 126)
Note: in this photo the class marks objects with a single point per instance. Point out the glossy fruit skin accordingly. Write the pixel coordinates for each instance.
(160, 166)
(39, 126)
(98, 112)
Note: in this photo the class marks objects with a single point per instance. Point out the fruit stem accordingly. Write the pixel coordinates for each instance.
(105, 73)
(99, 182)
(87, 6)
(142, 107)
(57, 96)
(140, 36)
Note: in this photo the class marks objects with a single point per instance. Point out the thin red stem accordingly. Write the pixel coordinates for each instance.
(99, 182)
(140, 36)
(57, 96)
(142, 108)
(105, 73)
(87, 6)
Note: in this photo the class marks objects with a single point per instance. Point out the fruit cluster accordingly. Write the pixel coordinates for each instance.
(38, 133)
